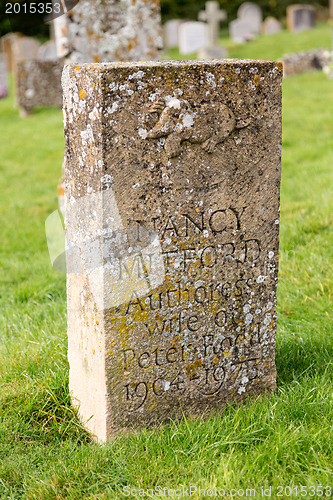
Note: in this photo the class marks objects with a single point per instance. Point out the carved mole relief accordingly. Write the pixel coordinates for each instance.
(205, 124)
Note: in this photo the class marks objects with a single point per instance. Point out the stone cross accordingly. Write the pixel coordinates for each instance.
(213, 16)
(172, 223)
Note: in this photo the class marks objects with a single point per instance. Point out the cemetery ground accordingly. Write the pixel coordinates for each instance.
(282, 439)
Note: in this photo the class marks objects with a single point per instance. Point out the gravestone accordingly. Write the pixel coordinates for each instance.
(271, 26)
(112, 30)
(213, 16)
(172, 222)
(240, 31)
(38, 85)
(193, 36)
(248, 23)
(6, 46)
(24, 49)
(300, 17)
(170, 33)
(251, 12)
(3, 76)
(48, 51)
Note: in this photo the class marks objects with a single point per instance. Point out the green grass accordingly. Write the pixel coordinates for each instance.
(283, 439)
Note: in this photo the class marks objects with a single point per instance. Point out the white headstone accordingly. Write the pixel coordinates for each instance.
(271, 26)
(3, 76)
(212, 15)
(193, 36)
(48, 51)
(252, 14)
(240, 31)
(170, 33)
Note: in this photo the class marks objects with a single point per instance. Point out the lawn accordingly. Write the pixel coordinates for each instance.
(281, 440)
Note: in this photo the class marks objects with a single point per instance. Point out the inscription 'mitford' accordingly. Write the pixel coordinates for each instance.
(172, 237)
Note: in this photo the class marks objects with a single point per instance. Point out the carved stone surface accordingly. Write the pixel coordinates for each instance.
(172, 213)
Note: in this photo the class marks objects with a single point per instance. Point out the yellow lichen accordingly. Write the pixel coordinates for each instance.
(256, 80)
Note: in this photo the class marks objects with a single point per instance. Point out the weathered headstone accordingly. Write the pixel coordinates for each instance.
(193, 36)
(300, 17)
(38, 85)
(271, 26)
(248, 23)
(112, 30)
(3, 76)
(172, 222)
(170, 33)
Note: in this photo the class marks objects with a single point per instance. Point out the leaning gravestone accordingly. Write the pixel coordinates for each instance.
(193, 36)
(300, 17)
(172, 222)
(3, 76)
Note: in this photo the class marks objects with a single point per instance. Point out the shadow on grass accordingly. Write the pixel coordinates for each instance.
(297, 357)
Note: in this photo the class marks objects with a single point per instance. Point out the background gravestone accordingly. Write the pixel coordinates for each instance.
(39, 85)
(252, 13)
(170, 33)
(3, 76)
(271, 26)
(24, 49)
(6, 46)
(248, 23)
(193, 36)
(48, 51)
(301, 17)
(112, 30)
(172, 237)
(213, 16)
